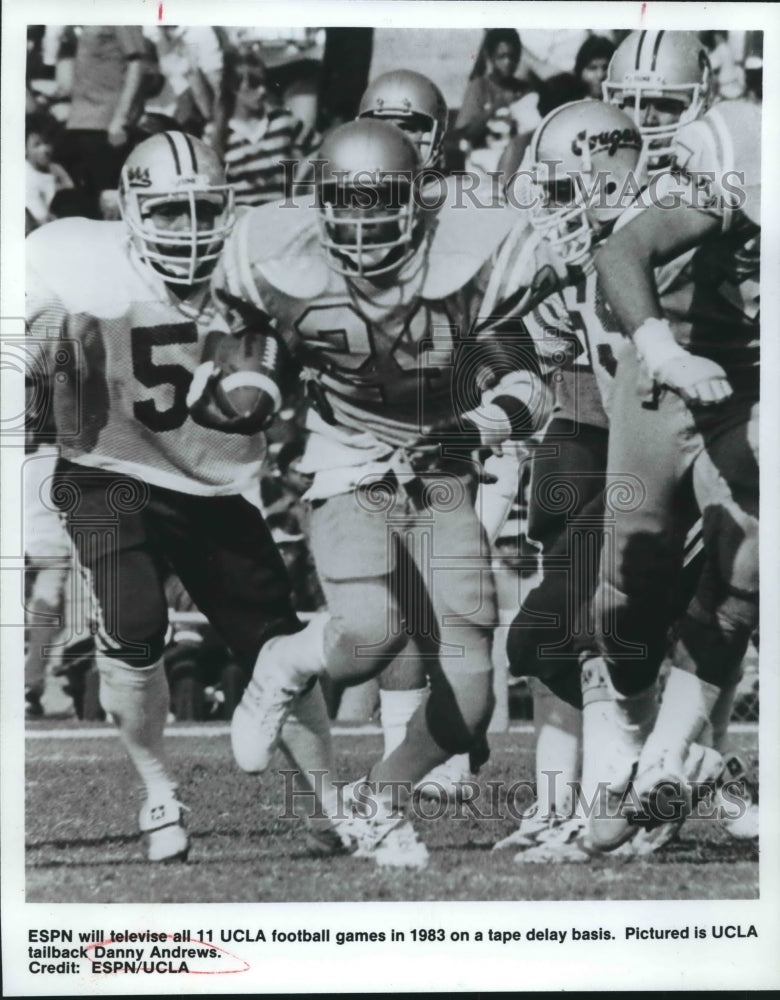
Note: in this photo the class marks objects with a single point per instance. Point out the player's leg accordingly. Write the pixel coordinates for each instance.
(714, 632)
(48, 549)
(225, 556)
(565, 508)
(652, 443)
(448, 591)
(107, 519)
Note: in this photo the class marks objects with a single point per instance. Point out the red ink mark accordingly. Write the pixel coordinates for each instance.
(159, 12)
(641, 13)
(113, 965)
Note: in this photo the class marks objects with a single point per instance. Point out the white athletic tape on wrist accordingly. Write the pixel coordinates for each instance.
(656, 345)
(199, 381)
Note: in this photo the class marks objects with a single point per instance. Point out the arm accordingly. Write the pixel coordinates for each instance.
(127, 106)
(625, 265)
(473, 116)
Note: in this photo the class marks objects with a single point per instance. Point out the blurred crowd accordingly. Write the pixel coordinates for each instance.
(261, 97)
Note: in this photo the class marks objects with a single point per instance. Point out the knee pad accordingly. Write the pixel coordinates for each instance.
(459, 710)
(355, 651)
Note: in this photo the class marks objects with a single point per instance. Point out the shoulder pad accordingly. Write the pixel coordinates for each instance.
(81, 261)
(465, 236)
(725, 143)
(276, 244)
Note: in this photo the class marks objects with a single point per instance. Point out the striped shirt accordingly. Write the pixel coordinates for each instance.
(253, 152)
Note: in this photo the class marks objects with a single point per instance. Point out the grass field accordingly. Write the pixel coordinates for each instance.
(82, 844)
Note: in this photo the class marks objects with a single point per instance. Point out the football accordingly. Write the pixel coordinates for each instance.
(236, 387)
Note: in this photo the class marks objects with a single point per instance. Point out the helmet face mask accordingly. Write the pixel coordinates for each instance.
(368, 240)
(366, 198)
(559, 216)
(584, 159)
(413, 103)
(662, 80)
(176, 206)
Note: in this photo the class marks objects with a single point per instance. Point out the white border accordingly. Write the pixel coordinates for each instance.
(741, 964)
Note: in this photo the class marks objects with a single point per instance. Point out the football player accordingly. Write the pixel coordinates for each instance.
(663, 80)
(121, 312)
(585, 140)
(416, 105)
(413, 103)
(377, 298)
(685, 422)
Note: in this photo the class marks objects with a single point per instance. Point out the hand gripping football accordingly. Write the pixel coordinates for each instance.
(236, 389)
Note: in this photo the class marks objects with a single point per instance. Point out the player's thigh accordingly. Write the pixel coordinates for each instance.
(452, 554)
(726, 485)
(224, 554)
(353, 540)
(568, 472)
(653, 443)
(107, 518)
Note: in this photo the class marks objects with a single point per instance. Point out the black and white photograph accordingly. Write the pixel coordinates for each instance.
(380, 503)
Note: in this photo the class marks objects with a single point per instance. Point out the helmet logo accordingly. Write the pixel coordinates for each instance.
(139, 177)
(608, 142)
(193, 180)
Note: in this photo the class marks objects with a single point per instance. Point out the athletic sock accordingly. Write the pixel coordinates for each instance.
(397, 708)
(137, 700)
(684, 712)
(614, 726)
(558, 728)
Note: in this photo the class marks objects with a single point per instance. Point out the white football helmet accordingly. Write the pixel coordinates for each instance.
(413, 103)
(175, 175)
(367, 197)
(663, 80)
(584, 161)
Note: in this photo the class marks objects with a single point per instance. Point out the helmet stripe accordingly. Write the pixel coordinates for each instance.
(656, 47)
(175, 152)
(642, 36)
(192, 151)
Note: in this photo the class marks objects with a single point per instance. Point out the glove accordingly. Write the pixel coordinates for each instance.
(698, 380)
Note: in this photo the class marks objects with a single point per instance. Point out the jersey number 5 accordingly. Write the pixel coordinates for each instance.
(143, 340)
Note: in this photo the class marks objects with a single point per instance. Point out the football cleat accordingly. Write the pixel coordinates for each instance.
(648, 840)
(161, 820)
(445, 783)
(379, 833)
(737, 790)
(258, 719)
(562, 840)
(324, 841)
(663, 793)
(532, 823)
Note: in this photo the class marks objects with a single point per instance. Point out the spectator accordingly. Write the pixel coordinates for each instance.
(44, 178)
(550, 52)
(106, 101)
(190, 62)
(293, 60)
(590, 71)
(255, 137)
(727, 73)
(497, 88)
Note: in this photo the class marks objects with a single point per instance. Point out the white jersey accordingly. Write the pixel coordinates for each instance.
(122, 348)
